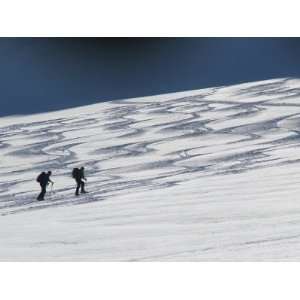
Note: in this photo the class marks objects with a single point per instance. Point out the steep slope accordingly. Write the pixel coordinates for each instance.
(210, 174)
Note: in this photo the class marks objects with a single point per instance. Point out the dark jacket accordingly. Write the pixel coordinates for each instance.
(44, 178)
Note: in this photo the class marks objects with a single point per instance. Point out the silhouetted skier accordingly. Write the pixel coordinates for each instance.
(78, 175)
(43, 179)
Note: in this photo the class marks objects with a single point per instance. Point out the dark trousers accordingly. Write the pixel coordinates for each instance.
(43, 192)
(80, 185)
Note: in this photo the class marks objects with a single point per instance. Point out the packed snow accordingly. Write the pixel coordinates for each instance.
(204, 175)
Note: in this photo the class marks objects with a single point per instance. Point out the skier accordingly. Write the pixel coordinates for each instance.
(43, 179)
(78, 175)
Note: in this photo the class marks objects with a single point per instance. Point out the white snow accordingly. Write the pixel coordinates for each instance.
(205, 175)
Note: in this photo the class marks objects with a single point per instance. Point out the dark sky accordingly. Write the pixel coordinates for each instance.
(42, 74)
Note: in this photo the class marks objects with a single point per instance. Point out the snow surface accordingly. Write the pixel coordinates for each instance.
(205, 175)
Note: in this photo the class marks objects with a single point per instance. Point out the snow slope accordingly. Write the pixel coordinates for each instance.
(205, 175)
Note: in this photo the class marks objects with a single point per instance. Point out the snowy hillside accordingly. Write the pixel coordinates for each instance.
(208, 175)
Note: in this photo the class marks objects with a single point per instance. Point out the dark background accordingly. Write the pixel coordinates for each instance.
(42, 74)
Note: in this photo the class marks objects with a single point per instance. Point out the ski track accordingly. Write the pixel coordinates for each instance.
(208, 175)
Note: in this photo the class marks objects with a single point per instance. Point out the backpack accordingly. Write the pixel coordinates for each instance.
(40, 177)
(75, 173)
